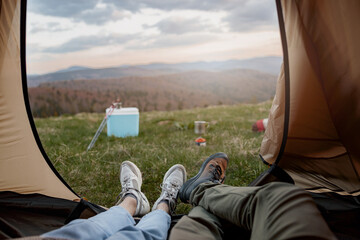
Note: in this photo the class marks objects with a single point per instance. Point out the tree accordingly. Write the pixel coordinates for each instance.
(180, 105)
(168, 106)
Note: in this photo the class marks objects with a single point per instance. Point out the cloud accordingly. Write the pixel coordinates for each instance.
(243, 15)
(199, 21)
(179, 25)
(98, 15)
(32, 48)
(166, 41)
(88, 11)
(88, 42)
(48, 27)
(252, 15)
(204, 5)
(63, 8)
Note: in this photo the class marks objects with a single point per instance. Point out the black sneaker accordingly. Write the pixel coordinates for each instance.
(213, 170)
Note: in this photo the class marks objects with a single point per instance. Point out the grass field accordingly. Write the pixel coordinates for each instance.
(165, 138)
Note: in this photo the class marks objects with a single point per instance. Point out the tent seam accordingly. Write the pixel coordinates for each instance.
(286, 80)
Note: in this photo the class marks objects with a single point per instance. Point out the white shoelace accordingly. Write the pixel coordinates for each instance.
(171, 190)
(126, 189)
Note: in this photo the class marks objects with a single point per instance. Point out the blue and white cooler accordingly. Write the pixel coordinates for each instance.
(123, 122)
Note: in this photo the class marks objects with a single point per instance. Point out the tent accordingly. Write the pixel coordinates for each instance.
(33, 196)
(314, 123)
(312, 137)
(313, 132)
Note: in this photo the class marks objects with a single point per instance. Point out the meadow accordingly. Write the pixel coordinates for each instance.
(165, 139)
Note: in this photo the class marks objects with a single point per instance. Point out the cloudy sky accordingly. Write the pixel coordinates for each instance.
(105, 33)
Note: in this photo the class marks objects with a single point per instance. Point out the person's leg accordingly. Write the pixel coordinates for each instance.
(153, 225)
(173, 181)
(273, 211)
(131, 181)
(100, 226)
(156, 224)
(198, 224)
(132, 202)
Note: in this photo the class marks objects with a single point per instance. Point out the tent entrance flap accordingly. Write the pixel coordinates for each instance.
(322, 140)
(24, 165)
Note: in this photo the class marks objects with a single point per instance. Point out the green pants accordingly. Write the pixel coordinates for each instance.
(273, 211)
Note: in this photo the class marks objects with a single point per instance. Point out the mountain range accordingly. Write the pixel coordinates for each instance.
(161, 87)
(269, 64)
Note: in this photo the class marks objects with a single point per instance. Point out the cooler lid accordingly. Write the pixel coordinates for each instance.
(122, 111)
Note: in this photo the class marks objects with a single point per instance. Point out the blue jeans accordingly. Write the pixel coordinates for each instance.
(116, 223)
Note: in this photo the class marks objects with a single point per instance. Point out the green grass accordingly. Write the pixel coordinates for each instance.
(165, 139)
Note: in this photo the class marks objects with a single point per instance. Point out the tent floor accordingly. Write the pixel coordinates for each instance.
(24, 215)
(33, 214)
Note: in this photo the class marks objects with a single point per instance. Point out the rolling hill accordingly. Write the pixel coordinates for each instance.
(153, 90)
(269, 65)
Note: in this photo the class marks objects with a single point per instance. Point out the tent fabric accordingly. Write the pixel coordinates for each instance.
(23, 167)
(323, 53)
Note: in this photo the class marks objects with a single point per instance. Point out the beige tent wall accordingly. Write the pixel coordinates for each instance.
(23, 168)
(322, 145)
(273, 135)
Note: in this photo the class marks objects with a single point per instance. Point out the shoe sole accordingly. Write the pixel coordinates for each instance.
(187, 184)
(134, 169)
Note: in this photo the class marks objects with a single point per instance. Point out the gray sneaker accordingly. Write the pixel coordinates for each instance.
(131, 180)
(173, 180)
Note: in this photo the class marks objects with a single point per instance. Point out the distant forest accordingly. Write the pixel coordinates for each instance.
(148, 93)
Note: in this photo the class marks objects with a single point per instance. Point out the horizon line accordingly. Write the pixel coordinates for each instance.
(150, 63)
